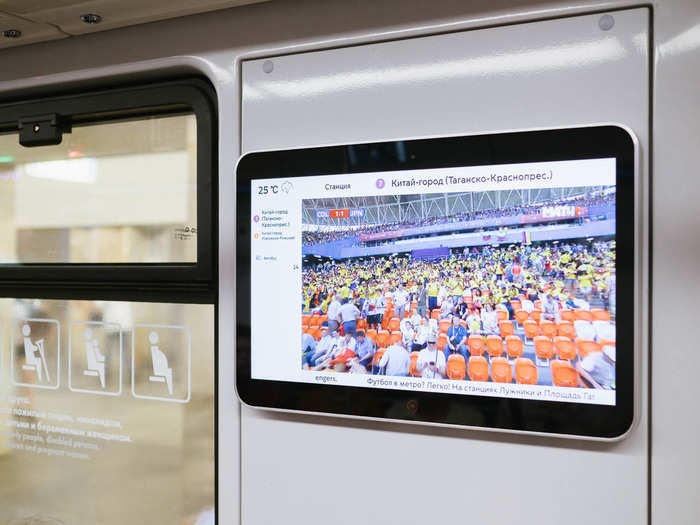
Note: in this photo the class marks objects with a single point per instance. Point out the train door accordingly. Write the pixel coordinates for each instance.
(108, 308)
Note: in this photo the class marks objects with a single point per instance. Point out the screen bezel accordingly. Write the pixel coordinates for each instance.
(519, 415)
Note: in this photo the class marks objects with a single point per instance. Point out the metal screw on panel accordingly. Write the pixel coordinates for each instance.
(268, 66)
(90, 18)
(606, 22)
(12, 33)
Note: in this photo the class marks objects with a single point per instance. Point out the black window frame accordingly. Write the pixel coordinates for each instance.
(182, 282)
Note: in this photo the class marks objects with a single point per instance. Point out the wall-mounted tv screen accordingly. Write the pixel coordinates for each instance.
(434, 288)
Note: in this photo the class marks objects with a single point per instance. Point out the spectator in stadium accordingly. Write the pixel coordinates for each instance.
(489, 320)
(344, 345)
(396, 360)
(609, 295)
(474, 322)
(431, 362)
(446, 308)
(308, 347)
(550, 309)
(476, 298)
(333, 312)
(574, 302)
(340, 363)
(400, 298)
(364, 348)
(421, 328)
(422, 300)
(348, 315)
(456, 339)
(433, 291)
(325, 348)
(461, 310)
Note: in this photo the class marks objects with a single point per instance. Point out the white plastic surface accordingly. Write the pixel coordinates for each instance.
(554, 73)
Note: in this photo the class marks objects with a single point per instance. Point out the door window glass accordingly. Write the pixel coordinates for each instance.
(115, 192)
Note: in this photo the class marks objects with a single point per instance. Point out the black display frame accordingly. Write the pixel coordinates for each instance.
(519, 415)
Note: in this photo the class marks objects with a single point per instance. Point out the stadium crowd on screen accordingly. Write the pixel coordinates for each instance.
(429, 310)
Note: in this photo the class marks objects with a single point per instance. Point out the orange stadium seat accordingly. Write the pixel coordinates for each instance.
(525, 371)
(412, 367)
(456, 367)
(583, 315)
(536, 315)
(377, 356)
(372, 334)
(587, 346)
(435, 314)
(442, 341)
(362, 324)
(565, 348)
(305, 328)
(563, 374)
(389, 300)
(478, 368)
(516, 305)
(606, 342)
(600, 315)
(494, 345)
(538, 305)
(549, 329)
(305, 319)
(568, 315)
(532, 329)
(501, 372)
(324, 319)
(476, 344)
(543, 347)
(514, 346)
(315, 320)
(382, 338)
(394, 337)
(566, 329)
(521, 316)
(315, 332)
(394, 324)
(444, 325)
(502, 314)
(506, 328)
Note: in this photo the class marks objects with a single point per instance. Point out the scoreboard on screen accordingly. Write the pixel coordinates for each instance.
(340, 213)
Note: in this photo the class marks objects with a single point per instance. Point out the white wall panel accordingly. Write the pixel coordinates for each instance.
(546, 74)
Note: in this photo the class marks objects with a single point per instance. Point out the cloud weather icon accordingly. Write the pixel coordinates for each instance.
(286, 186)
